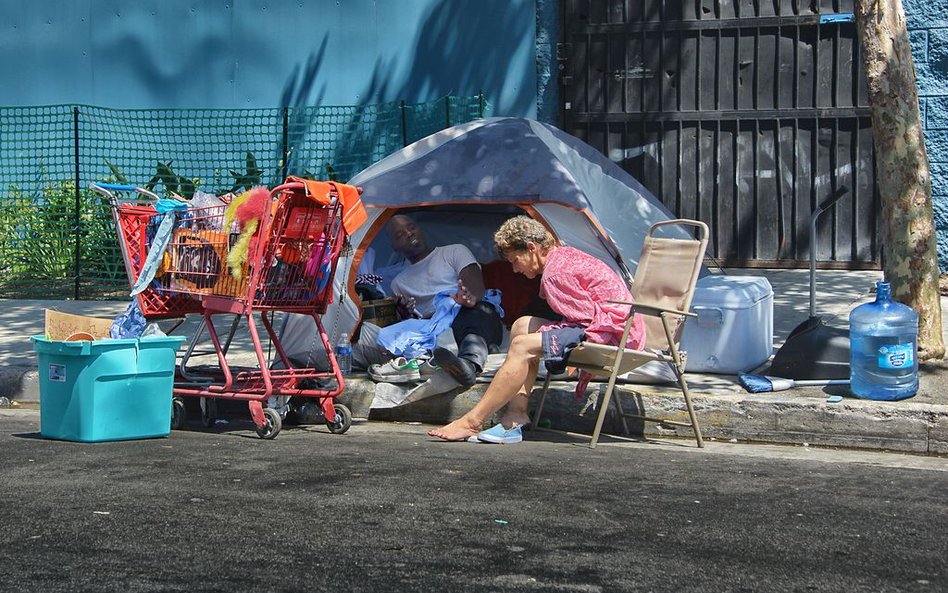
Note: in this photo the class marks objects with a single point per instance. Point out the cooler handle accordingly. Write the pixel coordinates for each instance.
(709, 316)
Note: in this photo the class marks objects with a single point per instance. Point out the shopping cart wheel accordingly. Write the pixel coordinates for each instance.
(273, 426)
(208, 411)
(343, 420)
(179, 415)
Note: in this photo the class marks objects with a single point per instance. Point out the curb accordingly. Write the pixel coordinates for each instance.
(796, 417)
(774, 418)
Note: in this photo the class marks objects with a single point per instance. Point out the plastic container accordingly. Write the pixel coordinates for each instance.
(734, 330)
(344, 354)
(883, 359)
(106, 390)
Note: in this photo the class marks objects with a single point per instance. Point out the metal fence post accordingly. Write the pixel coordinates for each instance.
(480, 104)
(447, 110)
(78, 252)
(404, 124)
(286, 142)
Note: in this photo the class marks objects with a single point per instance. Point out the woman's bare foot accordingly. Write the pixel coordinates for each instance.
(459, 430)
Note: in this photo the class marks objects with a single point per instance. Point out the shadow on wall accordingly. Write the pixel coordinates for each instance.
(299, 88)
(462, 47)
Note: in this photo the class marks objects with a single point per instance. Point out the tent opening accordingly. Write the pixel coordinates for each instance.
(473, 226)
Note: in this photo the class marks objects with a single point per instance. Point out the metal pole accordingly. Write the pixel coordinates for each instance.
(404, 124)
(75, 128)
(286, 143)
(480, 104)
(447, 110)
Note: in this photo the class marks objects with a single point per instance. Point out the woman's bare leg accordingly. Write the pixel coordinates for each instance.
(525, 348)
(517, 410)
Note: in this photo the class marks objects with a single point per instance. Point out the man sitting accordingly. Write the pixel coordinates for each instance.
(433, 270)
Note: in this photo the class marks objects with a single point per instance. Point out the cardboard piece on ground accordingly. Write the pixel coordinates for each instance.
(61, 326)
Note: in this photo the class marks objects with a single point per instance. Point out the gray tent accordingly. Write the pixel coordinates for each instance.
(461, 182)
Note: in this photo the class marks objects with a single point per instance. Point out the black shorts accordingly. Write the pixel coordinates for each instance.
(557, 344)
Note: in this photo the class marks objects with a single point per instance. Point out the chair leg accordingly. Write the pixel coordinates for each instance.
(691, 410)
(604, 405)
(680, 373)
(616, 365)
(536, 415)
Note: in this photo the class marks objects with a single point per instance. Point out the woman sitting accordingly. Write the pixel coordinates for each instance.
(576, 286)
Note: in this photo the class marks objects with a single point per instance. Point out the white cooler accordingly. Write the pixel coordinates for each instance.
(734, 330)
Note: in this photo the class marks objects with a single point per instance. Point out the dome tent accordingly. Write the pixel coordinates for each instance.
(461, 182)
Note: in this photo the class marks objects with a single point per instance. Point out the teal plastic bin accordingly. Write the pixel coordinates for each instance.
(106, 390)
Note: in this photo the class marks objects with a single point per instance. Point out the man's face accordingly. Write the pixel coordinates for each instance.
(406, 236)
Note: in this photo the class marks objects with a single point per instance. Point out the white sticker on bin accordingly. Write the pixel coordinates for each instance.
(57, 372)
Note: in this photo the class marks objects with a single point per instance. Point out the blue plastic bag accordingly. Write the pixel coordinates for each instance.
(129, 324)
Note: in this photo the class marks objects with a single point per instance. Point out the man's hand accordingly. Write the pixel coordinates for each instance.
(405, 307)
(463, 296)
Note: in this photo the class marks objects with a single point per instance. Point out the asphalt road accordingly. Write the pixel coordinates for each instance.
(384, 508)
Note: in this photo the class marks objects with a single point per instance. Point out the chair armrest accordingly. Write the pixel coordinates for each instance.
(652, 310)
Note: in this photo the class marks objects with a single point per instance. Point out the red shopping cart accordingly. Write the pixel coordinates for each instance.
(283, 260)
(136, 222)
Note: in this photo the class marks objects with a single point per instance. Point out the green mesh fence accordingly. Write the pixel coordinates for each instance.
(57, 242)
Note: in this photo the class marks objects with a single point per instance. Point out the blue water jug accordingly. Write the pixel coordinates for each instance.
(883, 358)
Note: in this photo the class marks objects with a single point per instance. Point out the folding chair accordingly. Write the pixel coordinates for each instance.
(662, 290)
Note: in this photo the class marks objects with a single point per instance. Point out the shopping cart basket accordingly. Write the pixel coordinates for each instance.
(136, 221)
(286, 265)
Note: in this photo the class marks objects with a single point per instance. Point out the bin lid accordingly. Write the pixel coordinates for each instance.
(86, 347)
(731, 292)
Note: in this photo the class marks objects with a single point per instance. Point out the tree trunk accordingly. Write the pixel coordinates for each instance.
(911, 263)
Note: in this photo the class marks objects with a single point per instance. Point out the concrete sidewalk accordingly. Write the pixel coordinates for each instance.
(726, 411)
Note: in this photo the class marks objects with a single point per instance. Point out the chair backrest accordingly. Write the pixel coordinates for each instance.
(666, 276)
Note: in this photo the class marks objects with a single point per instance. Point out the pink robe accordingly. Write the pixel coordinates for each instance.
(578, 286)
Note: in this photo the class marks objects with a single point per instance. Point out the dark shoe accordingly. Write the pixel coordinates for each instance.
(427, 368)
(463, 371)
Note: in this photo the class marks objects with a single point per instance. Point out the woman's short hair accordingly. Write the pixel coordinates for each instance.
(516, 232)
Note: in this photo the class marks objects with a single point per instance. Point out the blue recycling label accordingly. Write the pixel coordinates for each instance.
(57, 372)
(896, 356)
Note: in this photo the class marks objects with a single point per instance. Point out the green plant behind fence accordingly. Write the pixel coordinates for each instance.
(57, 238)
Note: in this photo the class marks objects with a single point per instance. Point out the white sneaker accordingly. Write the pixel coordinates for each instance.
(397, 370)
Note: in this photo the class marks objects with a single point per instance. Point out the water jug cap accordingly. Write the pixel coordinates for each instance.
(883, 288)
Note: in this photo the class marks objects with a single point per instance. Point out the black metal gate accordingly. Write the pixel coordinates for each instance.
(742, 113)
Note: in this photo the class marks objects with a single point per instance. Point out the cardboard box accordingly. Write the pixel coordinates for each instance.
(381, 312)
(69, 328)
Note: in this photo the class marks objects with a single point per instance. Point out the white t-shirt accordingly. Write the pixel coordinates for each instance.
(437, 272)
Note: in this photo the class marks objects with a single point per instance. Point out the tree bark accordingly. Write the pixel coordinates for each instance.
(911, 263)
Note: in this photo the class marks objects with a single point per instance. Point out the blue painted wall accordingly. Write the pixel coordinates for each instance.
(928, 31)
(267, 53)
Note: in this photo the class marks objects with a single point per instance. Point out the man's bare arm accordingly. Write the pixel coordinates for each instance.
(470, 286)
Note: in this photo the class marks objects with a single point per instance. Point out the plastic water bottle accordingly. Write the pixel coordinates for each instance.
(344, 354)
(883, 357)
